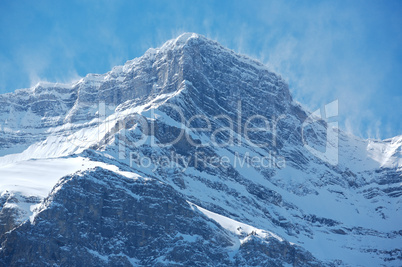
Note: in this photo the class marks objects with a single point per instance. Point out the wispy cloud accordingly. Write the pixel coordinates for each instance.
(350, 51)
(320, 51)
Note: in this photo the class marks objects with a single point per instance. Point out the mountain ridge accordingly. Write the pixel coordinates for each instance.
(351, 208)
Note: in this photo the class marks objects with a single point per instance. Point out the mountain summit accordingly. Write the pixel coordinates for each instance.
(190, 155)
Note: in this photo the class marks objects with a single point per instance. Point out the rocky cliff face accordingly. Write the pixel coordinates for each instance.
(220, 153)
(100, 217)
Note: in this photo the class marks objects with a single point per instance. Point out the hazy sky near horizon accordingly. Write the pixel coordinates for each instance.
(325, 50)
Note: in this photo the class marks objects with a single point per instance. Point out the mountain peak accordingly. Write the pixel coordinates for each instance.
(184, 37)
(190, 124)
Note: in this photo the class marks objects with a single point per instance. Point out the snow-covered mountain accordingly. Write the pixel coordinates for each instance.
(191, 155)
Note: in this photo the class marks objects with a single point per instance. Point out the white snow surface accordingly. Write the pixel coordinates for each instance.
(37, 177)
(242, 230)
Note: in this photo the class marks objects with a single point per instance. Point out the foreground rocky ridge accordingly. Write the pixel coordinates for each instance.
(99, 217)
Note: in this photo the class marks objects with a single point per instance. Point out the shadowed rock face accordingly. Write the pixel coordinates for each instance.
(11, 215)
(102, 218)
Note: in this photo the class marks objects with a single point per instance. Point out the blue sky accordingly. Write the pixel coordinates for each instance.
(326, 50)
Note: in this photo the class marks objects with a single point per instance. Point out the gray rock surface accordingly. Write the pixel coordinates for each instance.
(99, 218)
